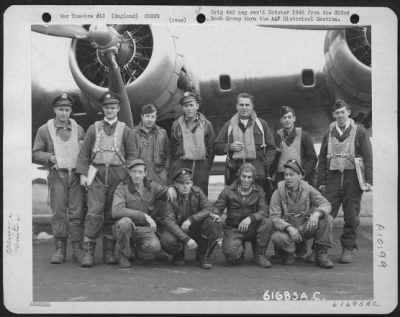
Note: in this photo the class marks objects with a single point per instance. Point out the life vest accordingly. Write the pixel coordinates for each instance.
(66, 152)
(193, 141)
(108, 149)
(249, 150)
(341, 154)
(289, 152)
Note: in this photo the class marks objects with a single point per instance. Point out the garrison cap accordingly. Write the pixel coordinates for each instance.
(136, 163)
(182, 175)
(339, 103)
(63, 100)
(110, 98)
(286, 109)
(189, 96)
(295, 166)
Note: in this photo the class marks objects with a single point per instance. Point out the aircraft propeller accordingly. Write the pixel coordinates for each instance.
(107, 41)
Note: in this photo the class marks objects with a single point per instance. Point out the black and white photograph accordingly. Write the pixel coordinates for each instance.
(173, 165)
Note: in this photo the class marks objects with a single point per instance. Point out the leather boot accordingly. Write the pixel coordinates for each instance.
(179, 258)
(108, 251)
(346, 257)
(124, 261)
(205, 263)
(301, 250)
(259, 256)
(88, 257)
(277, 254)
(310, 258)
(77, 251)
(288, 258)
(161, 256)
(322, 259)
(76, 235)
(59, 254)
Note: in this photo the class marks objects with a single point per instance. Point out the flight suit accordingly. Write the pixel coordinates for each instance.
(131, 229)
(293, 209)
(66, 194)
(239, 208)
(107, 147)
(336, 170)
(154, 148)
(199, 136)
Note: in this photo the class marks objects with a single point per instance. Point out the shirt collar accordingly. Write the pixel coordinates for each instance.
(110, 122)
(195, 119)
(141, 128)
(60, 125)
(146, 183)
(295, 193)
(290, 132)
(345, 127)
(181, 197)
(235, 185)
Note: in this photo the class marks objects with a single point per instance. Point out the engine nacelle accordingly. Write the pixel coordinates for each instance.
(348, 67)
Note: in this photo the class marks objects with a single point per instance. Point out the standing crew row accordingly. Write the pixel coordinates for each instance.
(103, 159)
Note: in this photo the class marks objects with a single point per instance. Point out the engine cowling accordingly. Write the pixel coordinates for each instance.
(348, 67)
(150, 64)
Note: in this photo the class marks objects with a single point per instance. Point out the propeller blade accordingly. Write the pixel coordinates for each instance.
(70, 31)
(116, 84)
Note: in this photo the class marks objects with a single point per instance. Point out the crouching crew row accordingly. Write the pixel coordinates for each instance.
(126, 171)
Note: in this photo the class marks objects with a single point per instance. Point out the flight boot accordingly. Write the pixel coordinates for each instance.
(77, 251)
(310, 258)
(277, 254)
(346, 257)
(259, 256)
(179, 258)
(76, 235)
(205, 263)
(301, 250)
(322, 259)
(88, 257)
(288, 258)
(161, 256)
(124, 261)
(59, 254)
(108, 252)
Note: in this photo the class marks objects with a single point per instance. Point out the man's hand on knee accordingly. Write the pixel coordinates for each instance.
(294, 234)
(244, 224)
